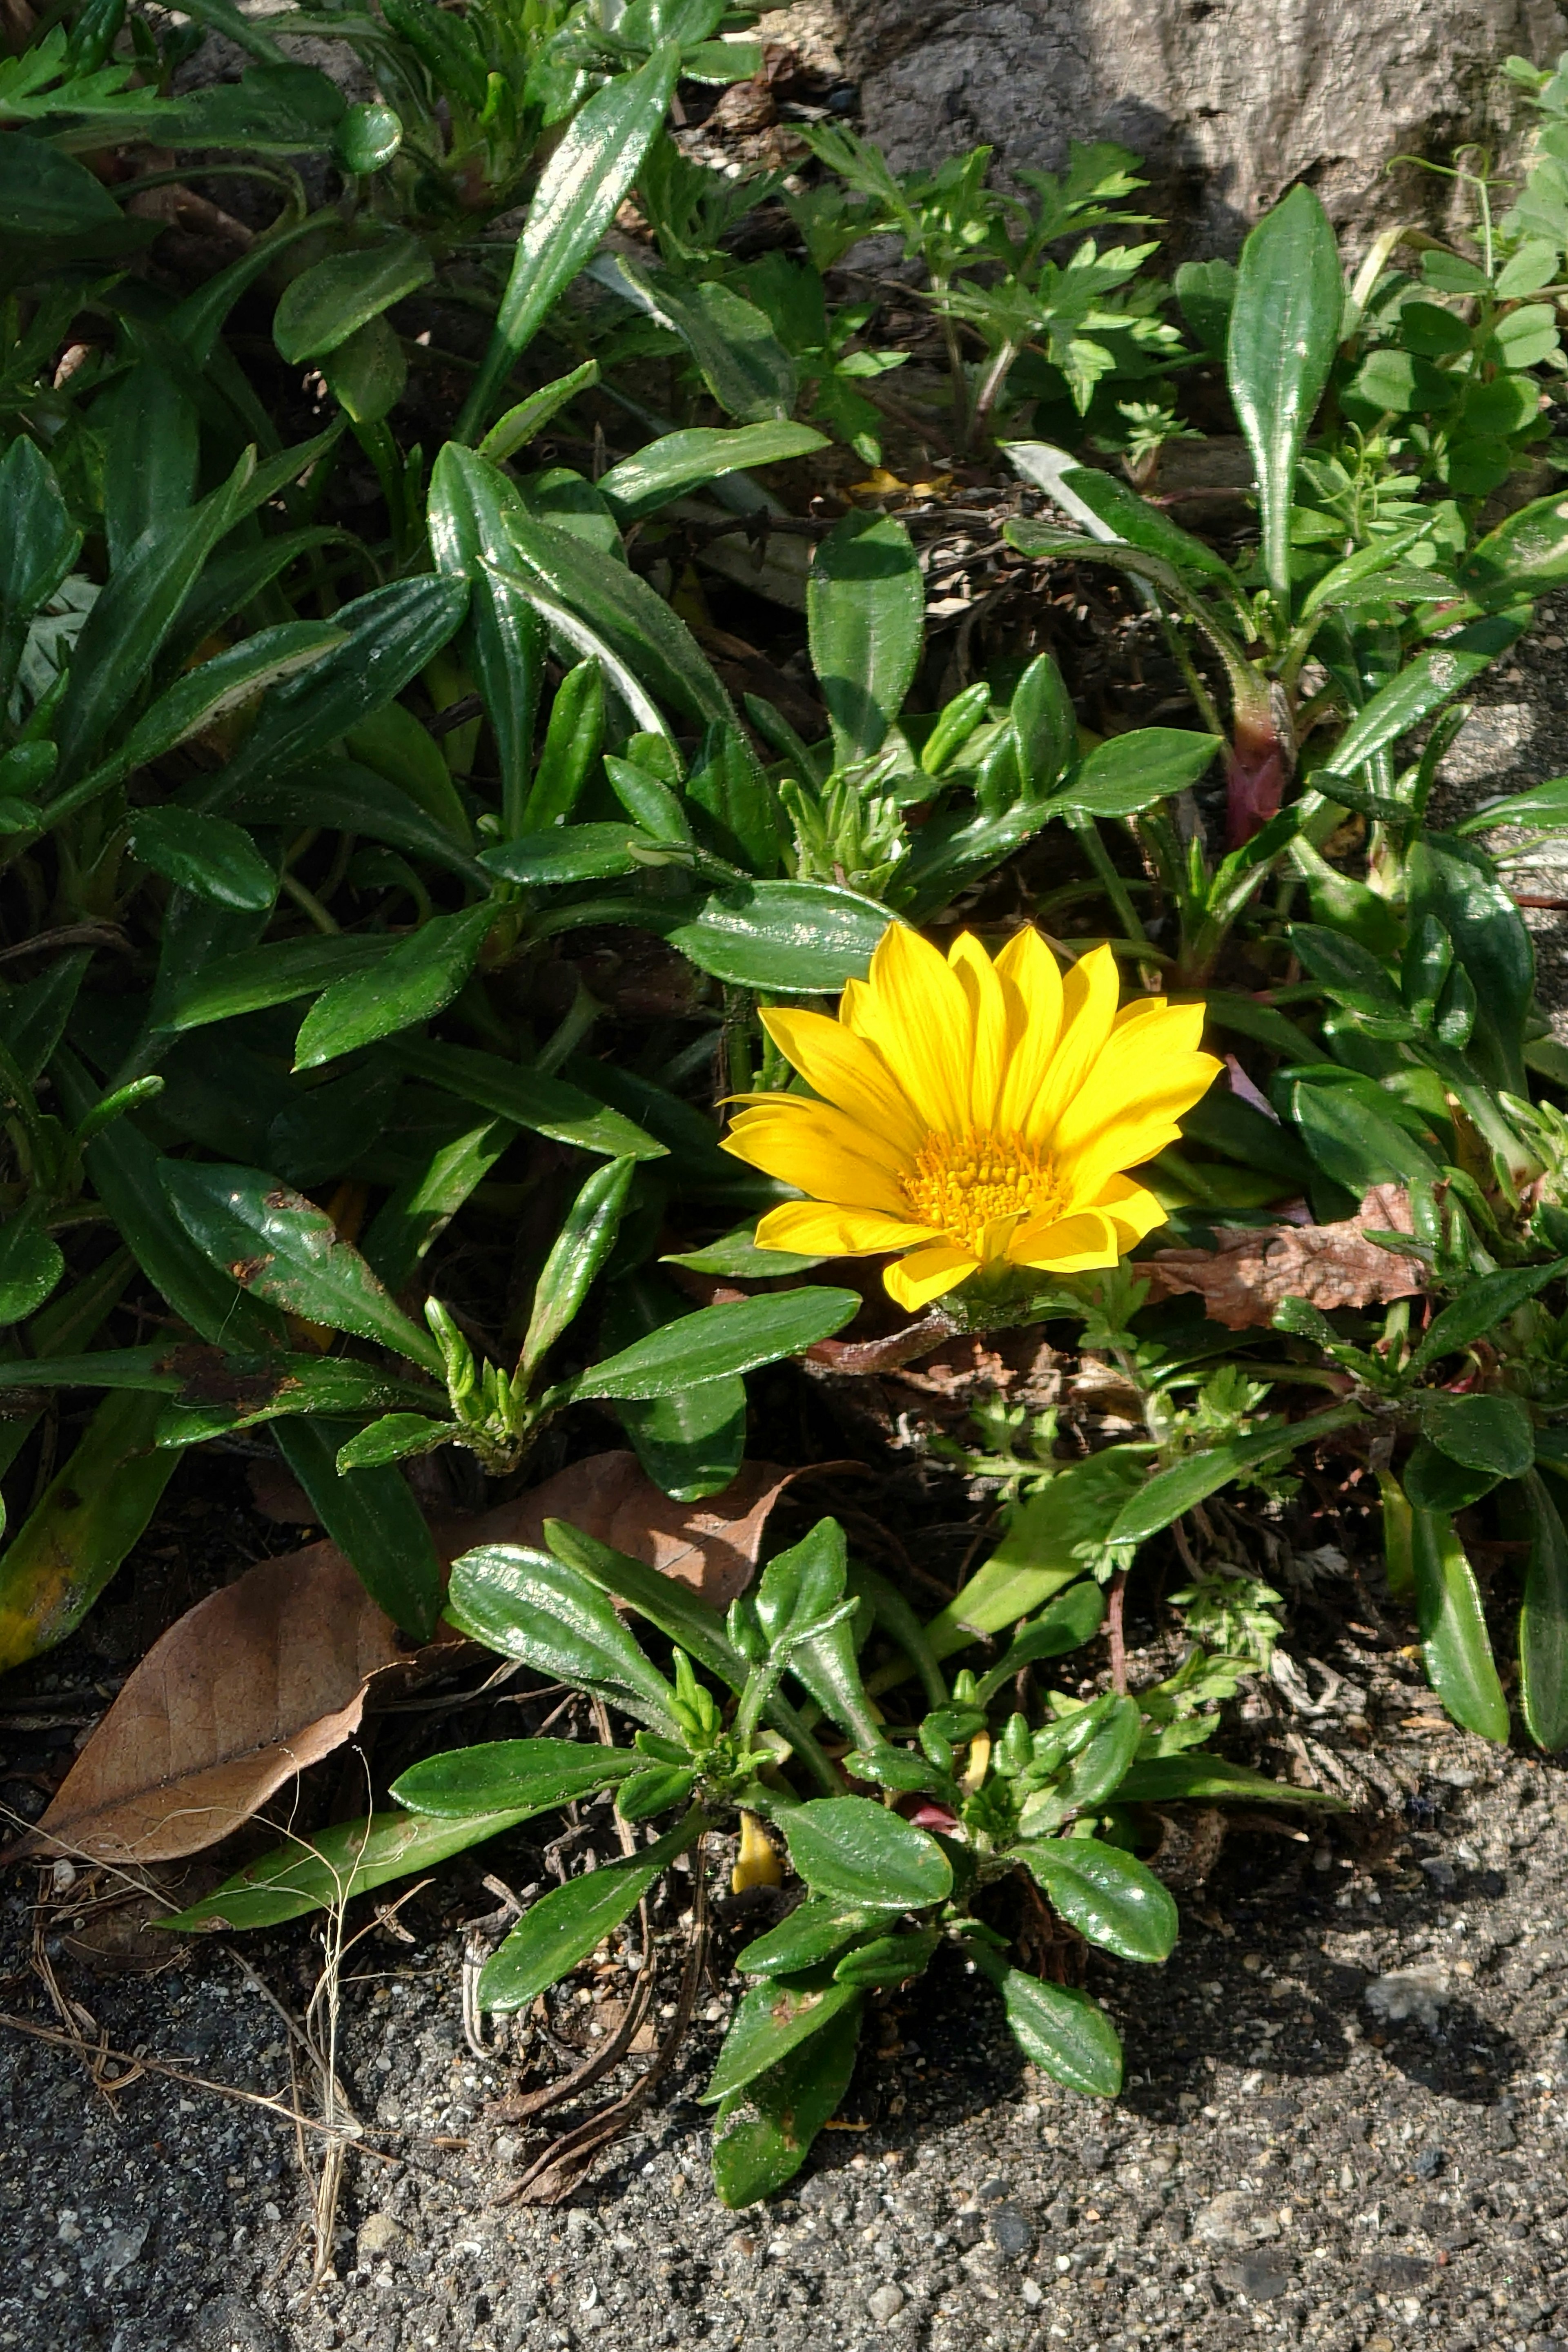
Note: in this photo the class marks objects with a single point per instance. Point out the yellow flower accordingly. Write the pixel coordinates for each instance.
(974, 1114)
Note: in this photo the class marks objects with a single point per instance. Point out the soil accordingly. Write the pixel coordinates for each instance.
(1343, 2122)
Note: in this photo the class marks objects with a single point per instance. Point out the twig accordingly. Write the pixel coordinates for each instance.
(851, 1357)
(1114, 1630)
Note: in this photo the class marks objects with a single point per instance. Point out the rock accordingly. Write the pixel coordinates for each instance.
(1406, 1993)
(1231, 102)
(886, 2303)
(1235, 2220)
(380, 2238)
(1259, 2277)
(233, 2325)
(1010, 2232)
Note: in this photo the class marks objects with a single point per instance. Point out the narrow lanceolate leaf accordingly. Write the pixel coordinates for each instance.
(1130, 773)
(528, 1097)
(496, 1775)
(678, 461)
(555, 567)
(865, 604)
(794, 939)
(764, 2131)
(531, 1607)
(774, 2017)
(1284, 330)
(1108, 1896)
(413, 982)
(578, 195)
(276, 974)
(1171, 1491)
(717, 1343)
(372, 1515)
(281, 1247)
(86, 1520)
(472, 508)
(201, 697)
(1059, 2028)
(564, 1927)
(205, 855)
(1543, 1622)
(337, 1864)
(1453, 1629)
(331, 300)
(1422, 687)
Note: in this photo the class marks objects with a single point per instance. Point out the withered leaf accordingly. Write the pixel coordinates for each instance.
(712, 1546)
(1254, 1269)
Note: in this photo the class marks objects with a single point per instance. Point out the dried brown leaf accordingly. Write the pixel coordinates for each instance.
(1255, 1267)
(272, 1673)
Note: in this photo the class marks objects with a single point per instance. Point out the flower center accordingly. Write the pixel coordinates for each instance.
(960, 1184)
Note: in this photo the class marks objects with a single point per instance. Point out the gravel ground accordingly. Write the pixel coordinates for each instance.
(1344, 2124)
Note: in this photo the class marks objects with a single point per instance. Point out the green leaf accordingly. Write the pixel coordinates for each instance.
(151, 454)
(37, 549)
(1493, 1433)
(816, 1931)
(367, 374)
(1279, 347)
(1526, 553)
(520, 425)
(1106, 1895)
(1059, 2029)
(764, 2131)
(372, 1516)
(737, 1253)
(368, 138)
(30, 1266)
(773, 2019)
(1459, 888)
(1171, 1491)
(356, 799)
(564, 1926)
(250, 1390)
(280, 109)
(577, 1256)
(554, 569)
(89, 1517)
(569, 853)
(794, 939)
(1209, 1779)
(693, 1442)
(578, 195)
(718, 1343)
(473, 508)
(388, 636)
(335, 298)
(1433, 1482)
(739, 359)
(201, 697)
(412, 982)
(1038, 1552)
(1453, 1628)
(548, 1106)
(1422, 688)
(675, 462)
(205, 855)
(864, 603)
(515, 1776)
(800, 1588)
(889, 1959)
(1074, 1618)
(1544, 804)
(336, 1864)
(1130, 516)
(395, 1437)
(657, 1789)
(856, 1852)
(1351, 1128)
(571, 744)
(1128, 774)
(1544, 1621)
(276, 974)
(47, 194)
(528, 1606)
(281, 1247)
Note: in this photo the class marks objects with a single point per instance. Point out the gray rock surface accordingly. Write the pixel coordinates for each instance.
(1232, 100)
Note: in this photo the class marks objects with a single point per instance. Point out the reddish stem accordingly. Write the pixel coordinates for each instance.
(1114, 1630)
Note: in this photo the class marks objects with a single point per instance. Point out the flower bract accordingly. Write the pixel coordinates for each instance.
(974, 1114)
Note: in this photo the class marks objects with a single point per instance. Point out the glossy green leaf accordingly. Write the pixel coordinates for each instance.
(528, 1097)
(1544, 805)
(1038, 1551)
(367, 373)
(578, 195)
(1283, 333)
(1169, 1493)
(816, 1931)
(473, 508)
(1543, 1620)
(1433, 1481)
(31, 1265)
(352, 798)
(37, 549)
(215, 688)
(864, 603)
(667, 469)
(1065, 1624)
(1109, 1895)
(1525, 554)
(577, 1256)
(564, 1926)
(719, 1342)
(395, 1437)
(1059, 2028)
(205, 855)
(1210, 1780)
(888, 1959)
(1352, 1130)
(1453, 1628)
(571, 744)
(691, 1443)
(555, 567)
(1493, 1433)
(773, 2019)
(528, 1606)
(47, 194)
(792, 939)
(764, 2131)
(1131, 773)
(372, 1516)
(281, 1247)
(151, 430)
(515, 1776)
(1137, 520)
(248, 1390)
(335, 1865)
(94, 1508)
(411, 984)
(511, 432)
(1419, 691)
(419, 1209)
(1459, 888)
(737, 354)
(368, 138)
(334, 298)
(1045, 727)
(571, 853)
(855, 1851)
(275, 974)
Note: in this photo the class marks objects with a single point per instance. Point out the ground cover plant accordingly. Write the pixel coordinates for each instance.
(460, 991)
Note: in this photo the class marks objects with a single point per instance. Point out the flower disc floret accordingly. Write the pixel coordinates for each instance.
(970, 1114)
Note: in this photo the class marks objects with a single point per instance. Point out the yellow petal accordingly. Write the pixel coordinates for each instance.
(1031, 984)
(1074, 1244)
(928, 1273)
(1127, 1114)
(988, 1011)
(1088, 1008)
(818, 1150)
(821, 1228)
(917, 1015)
(1132, 1209)
(846, 1071)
